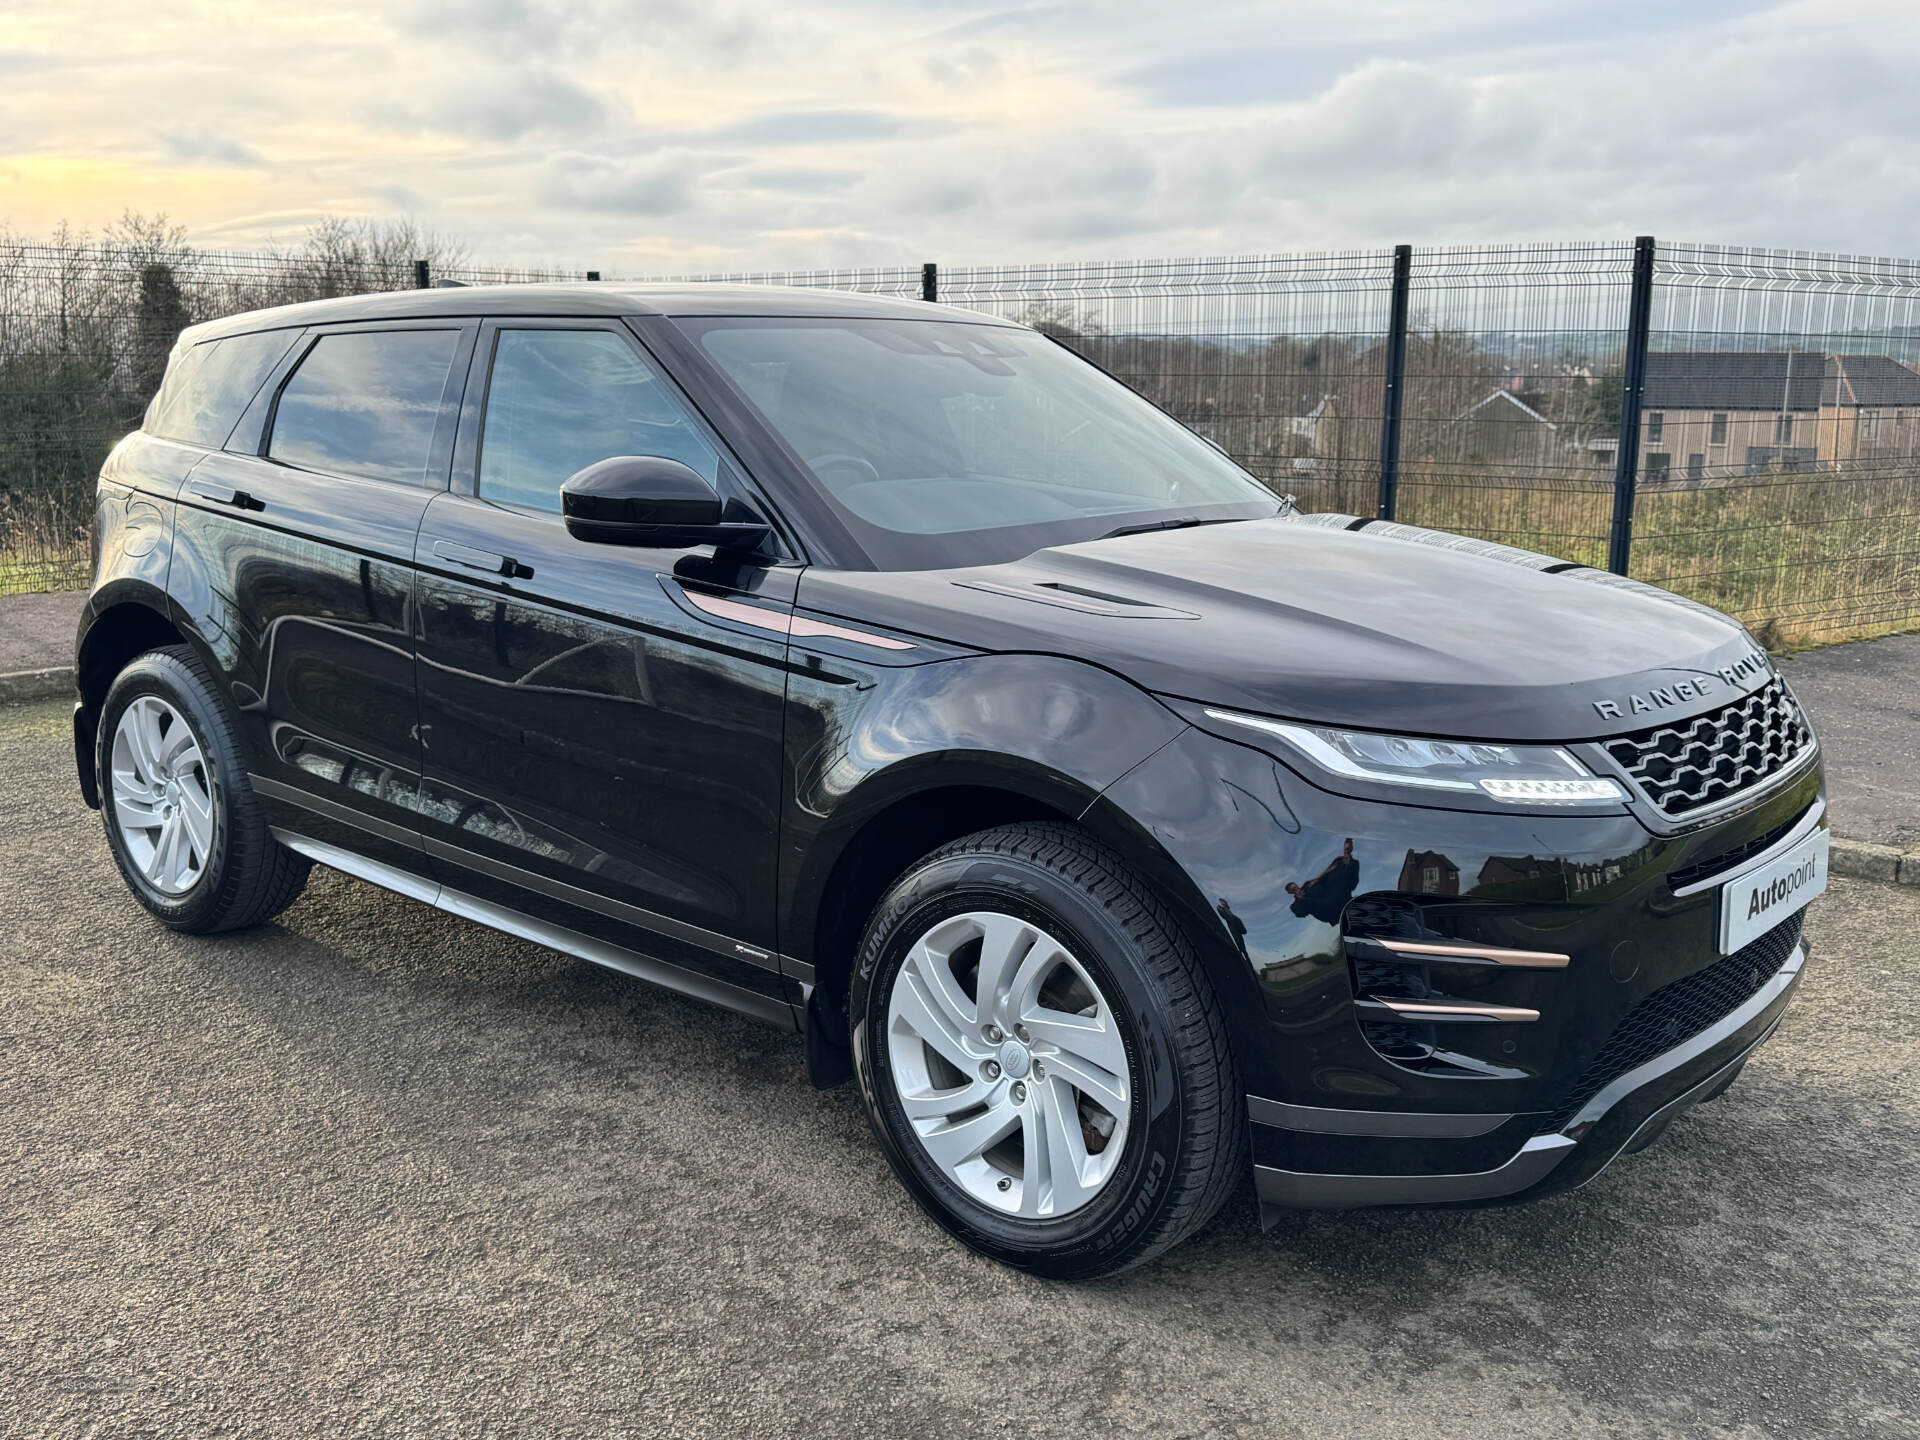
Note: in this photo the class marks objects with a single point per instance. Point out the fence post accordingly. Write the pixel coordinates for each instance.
(420, 279)
(1626, 472)
(1396, 382)
(930, 282)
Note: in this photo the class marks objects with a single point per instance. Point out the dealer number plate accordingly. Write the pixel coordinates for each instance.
(1755, 902)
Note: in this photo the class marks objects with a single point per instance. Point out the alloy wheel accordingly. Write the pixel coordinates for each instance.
(1009, 1064)
(162, 795)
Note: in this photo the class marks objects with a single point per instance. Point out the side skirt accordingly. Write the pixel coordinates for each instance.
(541, 932)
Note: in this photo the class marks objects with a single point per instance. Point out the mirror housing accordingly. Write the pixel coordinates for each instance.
(650, 500)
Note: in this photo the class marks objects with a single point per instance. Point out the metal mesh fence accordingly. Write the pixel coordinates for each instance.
(1512, 393)
(1278, 359)
(1778, 470)
(1780, 438)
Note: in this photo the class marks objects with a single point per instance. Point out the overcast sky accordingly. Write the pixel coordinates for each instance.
(704, 134)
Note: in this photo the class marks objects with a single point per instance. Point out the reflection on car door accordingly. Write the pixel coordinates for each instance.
(295, 550)
(601, 753)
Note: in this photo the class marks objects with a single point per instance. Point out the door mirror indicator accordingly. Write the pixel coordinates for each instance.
(650, 500)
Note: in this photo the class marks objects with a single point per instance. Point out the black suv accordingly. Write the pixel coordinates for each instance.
(891, 673)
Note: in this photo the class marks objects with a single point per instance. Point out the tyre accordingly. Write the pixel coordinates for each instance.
(187, 831)
(1041, 1055)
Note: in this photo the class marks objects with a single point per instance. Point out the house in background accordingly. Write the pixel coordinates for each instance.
(1502, 429)
(1714, 414)
(1869, 409)
(1428, 872)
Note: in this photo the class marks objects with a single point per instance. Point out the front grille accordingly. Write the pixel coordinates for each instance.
(1694, 763)
(1678, 1011)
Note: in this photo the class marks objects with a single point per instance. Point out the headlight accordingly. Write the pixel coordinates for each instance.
(1517, 774)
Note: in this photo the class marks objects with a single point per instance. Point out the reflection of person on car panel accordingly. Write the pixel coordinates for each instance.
(1326, 895)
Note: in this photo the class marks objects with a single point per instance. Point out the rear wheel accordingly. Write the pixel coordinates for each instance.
(187, 831)
(1009, 993)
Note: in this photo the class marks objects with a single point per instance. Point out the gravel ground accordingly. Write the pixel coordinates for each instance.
(373, 1171)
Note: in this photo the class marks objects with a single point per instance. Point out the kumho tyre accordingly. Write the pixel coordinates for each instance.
(1041, 1055)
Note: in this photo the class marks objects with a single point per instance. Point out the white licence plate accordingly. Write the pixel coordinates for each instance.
(1757, 901)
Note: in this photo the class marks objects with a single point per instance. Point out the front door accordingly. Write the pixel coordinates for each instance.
(601, 752)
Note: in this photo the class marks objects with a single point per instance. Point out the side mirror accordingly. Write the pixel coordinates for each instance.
(649, 500)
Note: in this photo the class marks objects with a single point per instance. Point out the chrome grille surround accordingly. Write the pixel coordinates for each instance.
(1694, 765)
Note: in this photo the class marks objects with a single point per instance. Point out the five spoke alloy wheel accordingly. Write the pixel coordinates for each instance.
(162, 795)
(1009, 1065)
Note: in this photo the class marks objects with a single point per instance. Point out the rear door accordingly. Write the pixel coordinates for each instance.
(293, 555)
(603, 745)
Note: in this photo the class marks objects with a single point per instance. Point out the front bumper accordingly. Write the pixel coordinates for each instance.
(1625, 1116)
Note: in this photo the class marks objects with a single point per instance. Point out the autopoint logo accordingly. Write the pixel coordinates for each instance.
(1764, 898)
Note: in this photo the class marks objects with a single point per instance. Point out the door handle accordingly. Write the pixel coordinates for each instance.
(223, 494)
(481, 560)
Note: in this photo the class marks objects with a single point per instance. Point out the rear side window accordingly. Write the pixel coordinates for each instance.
(208, 387)
(365, 404)
(560, 400)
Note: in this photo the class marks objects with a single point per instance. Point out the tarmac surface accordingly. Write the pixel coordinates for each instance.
(36, 631)
(372, 1170)
(1864, 700)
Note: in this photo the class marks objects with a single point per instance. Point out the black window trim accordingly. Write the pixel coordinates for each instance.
(439, 450)
(270, 377)
(735, 481)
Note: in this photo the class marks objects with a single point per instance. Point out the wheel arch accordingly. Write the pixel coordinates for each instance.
(868, 855)
(129, 623)
(898, 816)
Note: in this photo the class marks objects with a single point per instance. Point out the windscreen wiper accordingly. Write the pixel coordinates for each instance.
(1184, 522)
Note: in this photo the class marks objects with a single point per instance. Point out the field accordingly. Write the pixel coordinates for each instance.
(1802, 559)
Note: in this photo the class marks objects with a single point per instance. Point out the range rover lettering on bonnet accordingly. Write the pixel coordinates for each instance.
(1698, 687)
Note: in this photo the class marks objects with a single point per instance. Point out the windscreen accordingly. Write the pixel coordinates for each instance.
(949, 443)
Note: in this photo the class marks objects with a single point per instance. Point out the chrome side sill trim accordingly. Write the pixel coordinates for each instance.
(1411, 1124)
(540, 932)
(634, 915)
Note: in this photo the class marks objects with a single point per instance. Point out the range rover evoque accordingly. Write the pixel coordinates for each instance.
(891, 673)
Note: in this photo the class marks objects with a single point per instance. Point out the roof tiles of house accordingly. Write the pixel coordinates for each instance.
(1771, 380)
(1870, 380)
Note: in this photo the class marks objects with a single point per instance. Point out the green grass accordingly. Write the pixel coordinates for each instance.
(1801, 559)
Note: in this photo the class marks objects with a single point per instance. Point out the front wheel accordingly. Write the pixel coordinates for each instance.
(1041, 1055)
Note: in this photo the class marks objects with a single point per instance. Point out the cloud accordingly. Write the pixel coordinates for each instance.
(811, 127)
(798, 179)
(1003, 131)
(199, 147)
(659, 185)
(499, 105)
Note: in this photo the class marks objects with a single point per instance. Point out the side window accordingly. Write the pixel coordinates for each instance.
(560, 400)
(365, 404)
(208, 387)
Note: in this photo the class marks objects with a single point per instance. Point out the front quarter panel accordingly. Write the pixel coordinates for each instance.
(863, 735)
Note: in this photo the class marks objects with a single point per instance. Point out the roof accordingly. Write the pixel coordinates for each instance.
(587, 298)
(1871, 380)
(1511, 399)
(1733, 380)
